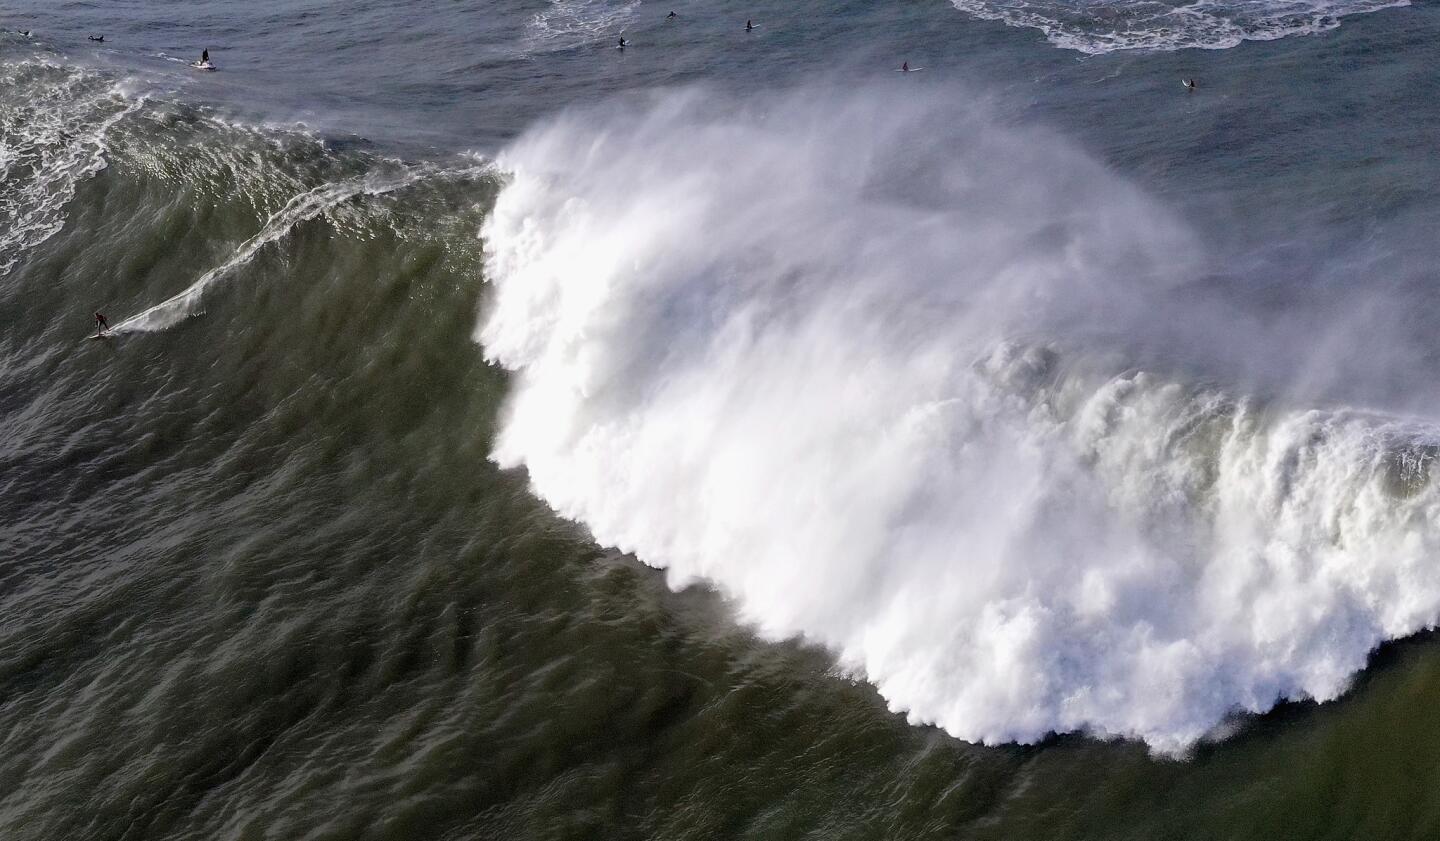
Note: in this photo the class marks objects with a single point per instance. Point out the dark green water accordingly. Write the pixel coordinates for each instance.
(262, 578)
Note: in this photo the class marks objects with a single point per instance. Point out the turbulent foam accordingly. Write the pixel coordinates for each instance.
(54, 131)
(1150, 25)
(566, 24)
(753, 345)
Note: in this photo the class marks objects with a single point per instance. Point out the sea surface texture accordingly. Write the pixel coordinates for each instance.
(504, 434)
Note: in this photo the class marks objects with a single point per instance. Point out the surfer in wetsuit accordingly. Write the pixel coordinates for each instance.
(1189, 84)
(101, 325)
(749, 26)
(205, 56)
(622, 43)
(904, 67)
(671, 15)
(100, 38)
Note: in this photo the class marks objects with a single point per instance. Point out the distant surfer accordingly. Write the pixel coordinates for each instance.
(671, 15)
(1189, 84)
(98, 38)
(205, 56)
(25, 32)
(101, 325)
(904, 67)
(623, 42)
(749, 26)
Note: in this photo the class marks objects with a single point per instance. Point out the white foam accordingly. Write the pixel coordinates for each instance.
(1097, 28)
(53, 136)
(566, 24)
(771, 346)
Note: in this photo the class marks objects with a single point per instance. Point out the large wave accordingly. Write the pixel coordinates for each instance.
(853, 380)
(61, 126)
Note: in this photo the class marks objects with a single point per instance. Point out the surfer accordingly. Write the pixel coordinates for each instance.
(671, 15)
(623, 42)
(99, 38)
(1189, 84)
(205, 56)
(25, 32)
(101, 325)
(904, 67)
(749, 26)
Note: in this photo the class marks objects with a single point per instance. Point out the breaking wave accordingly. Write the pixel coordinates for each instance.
(854, 384)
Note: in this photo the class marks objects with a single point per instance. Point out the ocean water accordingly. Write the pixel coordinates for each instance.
(505, 435)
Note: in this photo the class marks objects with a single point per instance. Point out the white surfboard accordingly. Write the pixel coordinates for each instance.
(911, 70)
(202, 65)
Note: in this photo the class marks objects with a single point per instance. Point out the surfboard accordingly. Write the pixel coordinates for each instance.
(101, 336)
(202, 65)
(911, 70)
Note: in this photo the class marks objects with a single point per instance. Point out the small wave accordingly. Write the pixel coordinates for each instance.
(567, 24)
(1097, 28)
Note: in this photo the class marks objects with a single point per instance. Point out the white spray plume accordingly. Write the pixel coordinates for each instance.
(828, 351)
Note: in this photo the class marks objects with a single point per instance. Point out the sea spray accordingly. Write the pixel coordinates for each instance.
(852, 382)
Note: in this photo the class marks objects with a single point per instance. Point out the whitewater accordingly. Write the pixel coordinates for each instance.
(879, 396)
(1099, 28)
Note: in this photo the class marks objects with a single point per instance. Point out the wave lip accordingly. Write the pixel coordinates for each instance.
(771, 346)
(1098, 28)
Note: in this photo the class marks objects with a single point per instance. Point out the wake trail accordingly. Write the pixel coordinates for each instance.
(298, 210)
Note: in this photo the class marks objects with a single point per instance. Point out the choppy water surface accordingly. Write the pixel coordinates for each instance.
(504, 435)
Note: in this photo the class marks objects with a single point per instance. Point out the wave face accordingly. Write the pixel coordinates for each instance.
(1103, 27)
(171, 171)
(773, 346)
